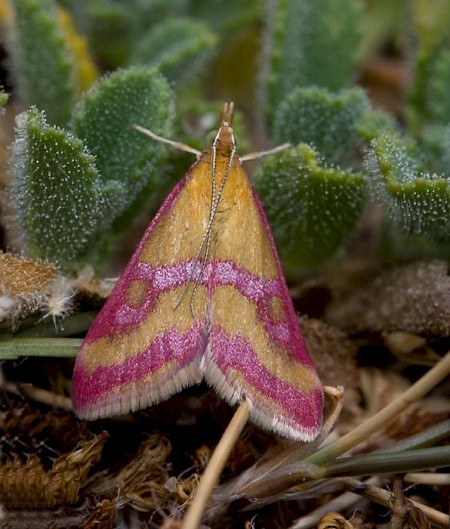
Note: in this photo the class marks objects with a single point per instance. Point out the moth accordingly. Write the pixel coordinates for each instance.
(203, 298)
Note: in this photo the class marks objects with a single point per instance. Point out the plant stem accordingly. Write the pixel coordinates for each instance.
(54, 347)
(418, 390)
(215, 466)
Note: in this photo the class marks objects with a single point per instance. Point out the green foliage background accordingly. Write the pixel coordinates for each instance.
(81, 173)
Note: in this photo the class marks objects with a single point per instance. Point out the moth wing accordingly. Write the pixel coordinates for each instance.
(256, 350)
(142, 348)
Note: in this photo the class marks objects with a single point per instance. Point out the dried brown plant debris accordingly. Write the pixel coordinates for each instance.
(185, 488)
(378, 388)
(27, 430)
(22, 277)
(25, 485)
(103, 516)
(334, 520)
(28, 286)
(332, 351)
(410, 348)
(24, 285)
(404, 514)
(25, 420)
(89, 285)
(141, 482)
(39, 519)
(201, 456)
(413, 298)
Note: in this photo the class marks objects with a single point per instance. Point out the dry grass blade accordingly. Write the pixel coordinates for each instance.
(257, 483)
(271, 472)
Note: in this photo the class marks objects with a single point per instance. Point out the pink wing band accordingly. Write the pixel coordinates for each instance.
(300, 409)
(165, 278)
(168, 347)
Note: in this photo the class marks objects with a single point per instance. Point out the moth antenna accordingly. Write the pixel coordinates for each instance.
(261, 154)
(205, 240)
(215, 200)
(175, 144)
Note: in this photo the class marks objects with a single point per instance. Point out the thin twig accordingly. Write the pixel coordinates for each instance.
(428, 478)
(38, 394)
(383, 497)
(418, 390)
(337, 504)
(215, 466)
(373, 493)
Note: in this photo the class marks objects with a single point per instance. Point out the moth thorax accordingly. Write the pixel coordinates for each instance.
(225, 143)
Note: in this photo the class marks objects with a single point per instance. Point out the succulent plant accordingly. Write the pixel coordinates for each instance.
(82, 182)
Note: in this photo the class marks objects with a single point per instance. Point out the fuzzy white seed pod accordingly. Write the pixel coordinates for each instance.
(59, 302)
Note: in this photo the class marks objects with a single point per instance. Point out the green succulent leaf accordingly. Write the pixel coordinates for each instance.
(43, 66)
(178, 47)
(432, 19)
(417, 201)
(435, 144)
(312, 209)
(156, 11)
(325, 120)
(225, 17)
(314, 43)
(111, 28)
(374, 123)
(104, 120)
(59, 198)
(439, 82)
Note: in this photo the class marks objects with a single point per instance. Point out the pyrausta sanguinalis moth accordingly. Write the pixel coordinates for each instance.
(203, 298)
